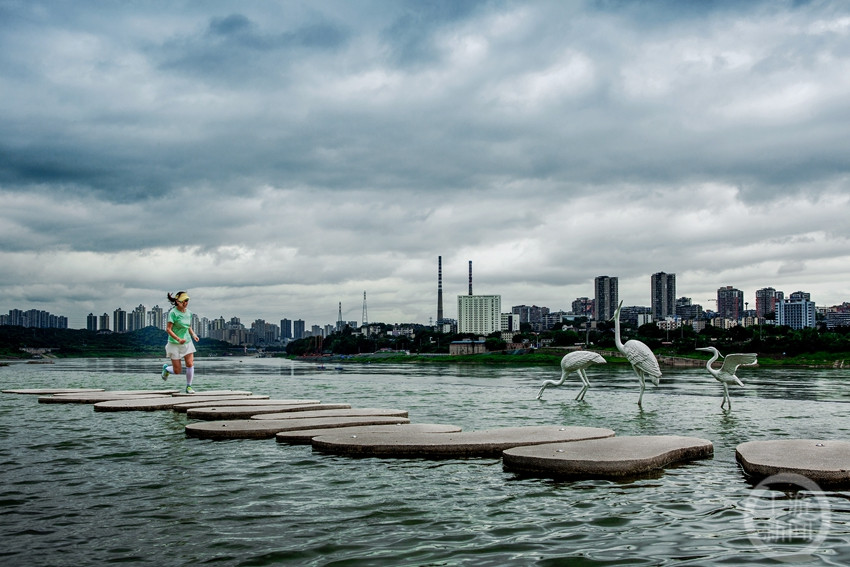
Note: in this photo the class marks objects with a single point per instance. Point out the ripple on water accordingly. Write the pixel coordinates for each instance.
(90, 488)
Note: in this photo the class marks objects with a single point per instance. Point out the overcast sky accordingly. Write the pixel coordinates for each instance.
(278, 158)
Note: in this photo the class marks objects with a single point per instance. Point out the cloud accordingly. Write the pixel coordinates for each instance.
(281, 158)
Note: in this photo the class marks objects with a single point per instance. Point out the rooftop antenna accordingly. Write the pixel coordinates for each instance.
(470, 277)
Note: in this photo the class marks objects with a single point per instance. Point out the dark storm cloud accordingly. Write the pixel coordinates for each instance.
(235, 49)
(290, 151)
(410, 36)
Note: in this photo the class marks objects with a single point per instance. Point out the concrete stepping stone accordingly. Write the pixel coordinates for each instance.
(304, 436)
(615, 457)
(484, 443)
(267, 429)
(181, 393)
(825, 462)
(234, 402)
(163, 403)
(49, 391)
(226, 411)
(161, 392)
(94, 397)
(345, 412)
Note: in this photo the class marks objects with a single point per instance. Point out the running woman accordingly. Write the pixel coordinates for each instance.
(180, 335)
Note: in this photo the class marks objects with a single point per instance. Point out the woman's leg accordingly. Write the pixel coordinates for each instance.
(176, 367)
(190, 368)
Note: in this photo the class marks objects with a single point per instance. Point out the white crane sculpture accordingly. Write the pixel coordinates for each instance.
(575, 362)
(726, 374)
(639, 356)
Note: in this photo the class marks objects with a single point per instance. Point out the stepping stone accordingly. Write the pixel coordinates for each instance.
(222, 411)
(162, 403)
(825, 462)
(615, 457)
(181, 393)
(303, 437)
(485, 443)
(348, 412)
(48, 391)
(162, 392)
(94, 397)
(267, 429)
(251, 401)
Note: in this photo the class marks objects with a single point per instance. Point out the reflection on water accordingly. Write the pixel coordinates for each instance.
(85, 487)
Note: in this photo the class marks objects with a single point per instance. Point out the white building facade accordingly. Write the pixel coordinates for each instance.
(798, 312)
(479, 314)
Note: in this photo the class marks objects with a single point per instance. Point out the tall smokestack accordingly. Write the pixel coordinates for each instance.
(439, 289)
(470, 277)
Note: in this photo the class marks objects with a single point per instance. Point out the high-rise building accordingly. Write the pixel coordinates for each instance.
(285, 329)
(36, 318)
(531, 314)
(91, 322)
(479, 314)
(766, 299)
(663, 295)
(687, 310)
(510, 322)
(119, 321)
(103, 322)
(298, 329)
(797, 312)
(264, 333)
(607, 297)
(156, 318)
(583, 307)
(635, 315)
(16, 318)
(137, 318)
(730, 303)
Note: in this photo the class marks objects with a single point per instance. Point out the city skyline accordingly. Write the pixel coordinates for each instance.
(748, 303)
(281, 157)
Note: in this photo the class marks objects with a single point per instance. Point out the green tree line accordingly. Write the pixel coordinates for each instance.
(775, 341)
(772, 341)
(149, 341)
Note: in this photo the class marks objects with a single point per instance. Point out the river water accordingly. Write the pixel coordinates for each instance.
(80, 487)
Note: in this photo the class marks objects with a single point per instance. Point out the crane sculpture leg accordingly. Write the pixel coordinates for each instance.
(576, 362)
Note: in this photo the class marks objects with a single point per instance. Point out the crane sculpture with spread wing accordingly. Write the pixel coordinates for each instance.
(726, 374)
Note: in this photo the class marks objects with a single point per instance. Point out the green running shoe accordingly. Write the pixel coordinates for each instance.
(165, 372)
(190, 390)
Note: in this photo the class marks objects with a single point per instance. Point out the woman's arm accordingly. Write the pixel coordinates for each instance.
(171, 332)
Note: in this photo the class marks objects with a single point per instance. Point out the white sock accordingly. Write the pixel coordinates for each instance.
(169, 369)
(190, 373)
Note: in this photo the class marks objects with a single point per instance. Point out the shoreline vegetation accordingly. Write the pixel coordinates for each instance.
(20, 344)
(553, 355)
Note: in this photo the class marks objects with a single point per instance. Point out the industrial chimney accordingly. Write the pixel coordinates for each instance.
(439, 289)
(470, 277)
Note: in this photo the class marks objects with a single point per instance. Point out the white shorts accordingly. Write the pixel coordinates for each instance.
(176, 351)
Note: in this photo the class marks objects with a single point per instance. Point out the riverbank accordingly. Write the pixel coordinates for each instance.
(548, 356)
(552, 356)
